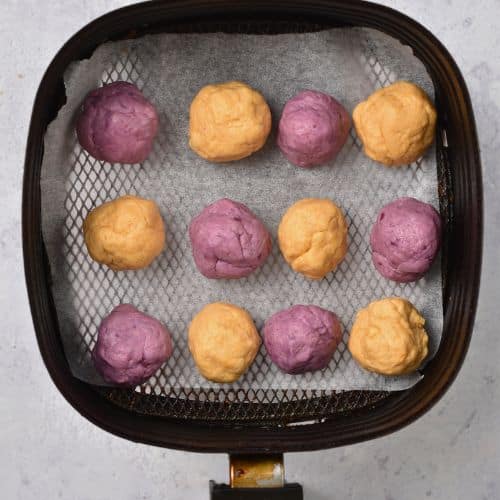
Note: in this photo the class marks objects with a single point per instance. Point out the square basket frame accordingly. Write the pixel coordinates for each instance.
(461, 206)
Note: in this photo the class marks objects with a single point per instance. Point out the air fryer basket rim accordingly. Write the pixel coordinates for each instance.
(463, 263)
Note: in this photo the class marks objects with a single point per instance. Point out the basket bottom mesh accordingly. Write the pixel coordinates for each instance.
(278, 407)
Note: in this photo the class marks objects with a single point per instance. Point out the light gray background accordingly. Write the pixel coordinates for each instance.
(47, 451)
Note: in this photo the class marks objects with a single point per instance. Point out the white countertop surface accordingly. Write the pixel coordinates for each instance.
(48, 451)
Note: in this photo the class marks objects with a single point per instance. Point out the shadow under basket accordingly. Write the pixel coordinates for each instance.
(271, 421)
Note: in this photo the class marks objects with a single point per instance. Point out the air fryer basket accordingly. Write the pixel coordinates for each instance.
(263, 421)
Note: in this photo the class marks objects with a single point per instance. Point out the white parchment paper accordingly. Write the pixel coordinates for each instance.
(170, 68)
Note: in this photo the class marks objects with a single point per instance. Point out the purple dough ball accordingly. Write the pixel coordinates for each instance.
(302, 339)
(228, 240)
(405, 239)
(130, 346)
(313, 128)
(117, 124)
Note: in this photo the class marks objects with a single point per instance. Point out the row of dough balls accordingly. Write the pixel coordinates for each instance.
(387, 337)
(230, 121)
(229, 241)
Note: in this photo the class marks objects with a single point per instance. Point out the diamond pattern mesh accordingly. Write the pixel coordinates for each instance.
(263, 394)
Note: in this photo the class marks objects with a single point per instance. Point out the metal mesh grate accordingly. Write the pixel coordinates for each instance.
(91, 183)
(245, 405)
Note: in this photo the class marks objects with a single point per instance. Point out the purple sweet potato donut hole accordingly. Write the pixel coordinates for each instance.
(228, 240)
(405, 239)
(117, 124)
(302, 338)
(313, 128)
(130, 346)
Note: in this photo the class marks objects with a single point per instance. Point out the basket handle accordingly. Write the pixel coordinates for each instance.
(255, 477)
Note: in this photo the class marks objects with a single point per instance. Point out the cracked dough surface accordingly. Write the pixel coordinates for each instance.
(405, 239)
(126, 233)
(223, 341)
(388, 337)
(228, 240)
(313, 237)
(228, 121)
(313, 128)
(117, 124)
(396, 124)
(302, 338)
(130, 346)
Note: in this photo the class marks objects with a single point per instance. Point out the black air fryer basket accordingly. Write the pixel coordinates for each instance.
(251, 423)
